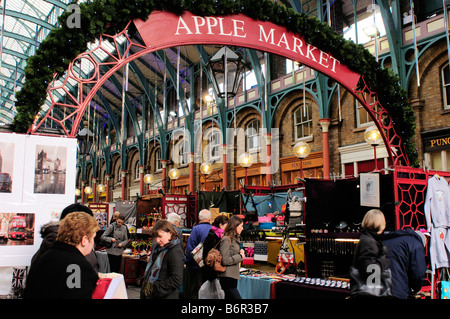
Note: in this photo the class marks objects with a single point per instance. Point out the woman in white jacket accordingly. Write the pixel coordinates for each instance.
(232, 255)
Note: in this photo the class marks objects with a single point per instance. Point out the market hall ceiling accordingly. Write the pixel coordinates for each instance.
(27, 23)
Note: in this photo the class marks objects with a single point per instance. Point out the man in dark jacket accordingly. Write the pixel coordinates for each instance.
(407, 261)
(193, 275)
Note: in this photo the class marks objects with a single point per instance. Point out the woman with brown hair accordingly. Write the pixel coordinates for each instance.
(164, 271)
(232, 255)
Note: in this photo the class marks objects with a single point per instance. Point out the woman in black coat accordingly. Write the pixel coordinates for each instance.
(212, 239)
(370, 249)
(63, 272)
(164, 271)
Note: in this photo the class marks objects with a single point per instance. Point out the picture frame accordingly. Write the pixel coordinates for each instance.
(370, 189)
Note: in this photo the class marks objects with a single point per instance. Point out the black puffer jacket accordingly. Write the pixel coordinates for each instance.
(370, 250)
(49, 232)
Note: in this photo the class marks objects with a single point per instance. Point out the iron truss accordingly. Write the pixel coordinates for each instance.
(25, 24)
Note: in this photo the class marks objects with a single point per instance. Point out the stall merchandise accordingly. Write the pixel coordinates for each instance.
(437, 215)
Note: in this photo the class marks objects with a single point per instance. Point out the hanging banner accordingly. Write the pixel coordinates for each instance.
(242, 31)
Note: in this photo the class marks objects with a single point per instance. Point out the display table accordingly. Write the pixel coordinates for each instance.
(288, 290)
(255, 287)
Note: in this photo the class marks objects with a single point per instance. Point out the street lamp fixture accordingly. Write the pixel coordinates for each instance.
(85, 138)
(77, 192)
(174, 174)
(301, 150)
(245, 160)
(101, 188)
(225, 60)
(206, 169)
(88, 190)
(373, 137)
(148, 178)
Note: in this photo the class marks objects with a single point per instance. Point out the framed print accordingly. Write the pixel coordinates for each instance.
(370, 189)
(50, 165)
(20, 227)
(12, 148)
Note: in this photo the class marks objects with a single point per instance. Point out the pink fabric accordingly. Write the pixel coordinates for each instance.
(217, 231)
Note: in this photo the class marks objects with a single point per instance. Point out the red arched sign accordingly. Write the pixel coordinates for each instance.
(164, 29)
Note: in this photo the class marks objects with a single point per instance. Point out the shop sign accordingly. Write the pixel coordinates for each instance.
(437, 143)
(307, 163)
(242, 31)
(250, 172)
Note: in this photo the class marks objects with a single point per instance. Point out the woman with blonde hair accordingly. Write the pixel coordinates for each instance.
(370, 249)
(63, 272)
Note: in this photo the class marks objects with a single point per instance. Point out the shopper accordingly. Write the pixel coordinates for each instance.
(114, 217)
(193, 274)
(370, 249)
(117, 235)
(49, 232)
(232, 255)
(175, 220)
(164, 271)
(63, 272)
(407, 261)
(212, 239)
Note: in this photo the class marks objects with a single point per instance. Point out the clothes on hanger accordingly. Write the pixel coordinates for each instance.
(437, 216)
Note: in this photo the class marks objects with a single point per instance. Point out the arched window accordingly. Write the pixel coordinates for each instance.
(253, 137)
(214, 145)
(445, 76)
(362, 116)
(182, 153)
(158, 165)
(137, 176)
(303, 123)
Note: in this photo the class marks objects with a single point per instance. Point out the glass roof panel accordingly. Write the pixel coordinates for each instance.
(25, 23)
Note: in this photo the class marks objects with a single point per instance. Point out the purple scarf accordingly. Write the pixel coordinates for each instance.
(217, 231)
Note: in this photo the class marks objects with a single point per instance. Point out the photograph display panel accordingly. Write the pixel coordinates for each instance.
(50, 167)
(12, 149)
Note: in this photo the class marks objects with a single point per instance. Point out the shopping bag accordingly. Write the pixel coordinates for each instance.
(296, 206)
(110, 286)
(211, 289)
(445, 289)
(444, 276)
(359, 287)
(197, 254)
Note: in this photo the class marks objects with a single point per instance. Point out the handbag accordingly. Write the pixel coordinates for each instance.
(211, 289)
(214, 259)
(197, 255)
(361, 287)
(444, 284)
(108, 244)
(295, 207)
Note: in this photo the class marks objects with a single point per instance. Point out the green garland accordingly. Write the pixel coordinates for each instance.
(98, 17)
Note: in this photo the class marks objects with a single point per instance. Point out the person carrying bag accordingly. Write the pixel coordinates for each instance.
(369, 274)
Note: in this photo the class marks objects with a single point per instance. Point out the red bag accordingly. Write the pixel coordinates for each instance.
(101, 288)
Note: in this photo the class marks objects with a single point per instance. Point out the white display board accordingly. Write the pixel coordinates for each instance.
(42, 171)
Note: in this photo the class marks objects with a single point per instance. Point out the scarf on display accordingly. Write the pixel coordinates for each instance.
(217, 231)
(154, 266)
